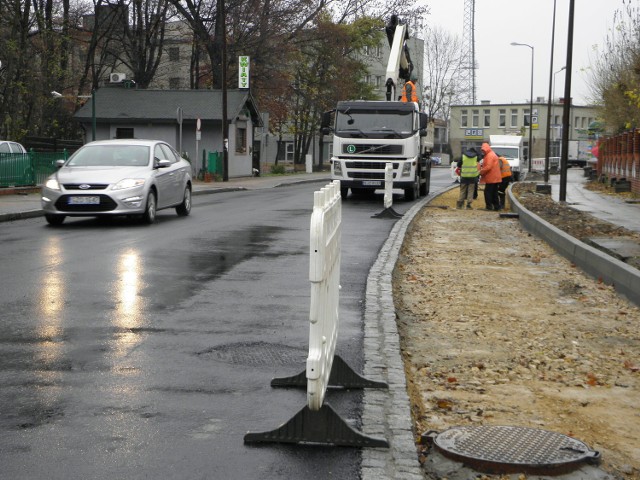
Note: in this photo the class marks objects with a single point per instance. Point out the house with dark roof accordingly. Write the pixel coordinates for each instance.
(172, 115)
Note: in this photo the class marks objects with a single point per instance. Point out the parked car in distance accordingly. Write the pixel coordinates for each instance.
(118, 177)
(7, 146)
(15, 165)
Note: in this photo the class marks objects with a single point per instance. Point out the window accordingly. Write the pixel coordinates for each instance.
(526, 117)
(168, 153)
(475, 118)
(241, 139)
(124, 133)
(379, 81)
(575, 122)
(289, 153)
(174, 54)
(514, 117)
(502, 118)
(464, 118)
(487, 118)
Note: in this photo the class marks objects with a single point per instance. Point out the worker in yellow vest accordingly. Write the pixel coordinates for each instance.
(505, 171)
(410, 91)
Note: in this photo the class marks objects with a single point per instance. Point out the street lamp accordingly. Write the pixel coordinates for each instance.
(554, 82)
(516, 44)
(93, 108)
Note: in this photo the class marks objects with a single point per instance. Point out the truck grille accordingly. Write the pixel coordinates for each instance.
(372, 149)
(369, 165)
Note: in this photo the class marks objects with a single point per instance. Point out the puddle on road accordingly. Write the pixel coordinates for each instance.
(177, 275)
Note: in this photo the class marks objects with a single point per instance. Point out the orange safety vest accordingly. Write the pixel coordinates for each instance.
(505, 168)
(413, 93)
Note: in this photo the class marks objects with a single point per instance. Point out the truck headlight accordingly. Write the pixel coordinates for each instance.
(406, 169)
(337, 168)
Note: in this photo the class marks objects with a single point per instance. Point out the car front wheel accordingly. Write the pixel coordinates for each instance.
(185, 207)
(54, 219)
(149, 215)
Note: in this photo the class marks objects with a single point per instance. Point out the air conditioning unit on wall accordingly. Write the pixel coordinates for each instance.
(117, 77)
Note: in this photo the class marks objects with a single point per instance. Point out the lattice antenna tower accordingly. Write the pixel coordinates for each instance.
(468, 72)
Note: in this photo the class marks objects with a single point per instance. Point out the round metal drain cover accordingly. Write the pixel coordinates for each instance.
(258, 354)
(507, 449)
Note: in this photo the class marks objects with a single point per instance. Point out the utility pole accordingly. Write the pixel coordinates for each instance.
(566, 112)
(225, 123)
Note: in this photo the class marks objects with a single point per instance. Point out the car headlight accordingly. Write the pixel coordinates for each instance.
(52, 184)
(128, 183)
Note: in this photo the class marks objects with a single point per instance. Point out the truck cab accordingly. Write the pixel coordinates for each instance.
(369, 134)
(511, 148)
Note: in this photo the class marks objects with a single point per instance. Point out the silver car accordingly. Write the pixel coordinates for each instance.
(118, 177)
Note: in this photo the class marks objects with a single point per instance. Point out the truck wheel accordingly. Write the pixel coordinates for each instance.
(344, 191)
(413, 192)
(424, 187)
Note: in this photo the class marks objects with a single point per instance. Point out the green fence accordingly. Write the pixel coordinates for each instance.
(25, 169)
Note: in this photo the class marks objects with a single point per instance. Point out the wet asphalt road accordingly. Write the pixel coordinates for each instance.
(129, 351)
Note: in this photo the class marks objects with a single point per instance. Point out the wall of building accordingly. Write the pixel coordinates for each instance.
(471, 125)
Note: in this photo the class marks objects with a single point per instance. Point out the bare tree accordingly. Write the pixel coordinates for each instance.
(615, 77)
(443, 62)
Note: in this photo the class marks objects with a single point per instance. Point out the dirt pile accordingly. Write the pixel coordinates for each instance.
(497, 329)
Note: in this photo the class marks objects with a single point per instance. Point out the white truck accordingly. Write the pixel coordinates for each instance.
(511, 148)
(369, 134)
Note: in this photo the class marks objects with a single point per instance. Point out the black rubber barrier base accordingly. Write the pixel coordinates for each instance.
(388, 213)
(322, 427)
(341, 376)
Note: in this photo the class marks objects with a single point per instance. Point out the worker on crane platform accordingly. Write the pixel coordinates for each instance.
(409, 91)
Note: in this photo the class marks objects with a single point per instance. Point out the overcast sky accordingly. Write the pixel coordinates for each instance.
(504, 71)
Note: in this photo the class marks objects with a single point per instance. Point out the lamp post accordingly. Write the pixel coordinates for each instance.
(93, 108)
(516, 44)
(554, 83)
(550, 99)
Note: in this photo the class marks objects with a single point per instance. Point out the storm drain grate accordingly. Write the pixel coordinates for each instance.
(507, 449)
(257, 354)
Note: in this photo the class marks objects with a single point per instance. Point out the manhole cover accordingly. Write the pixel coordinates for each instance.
(506, 449)
(257, 354)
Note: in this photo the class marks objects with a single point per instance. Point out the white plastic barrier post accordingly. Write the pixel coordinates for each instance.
(309, 163)
(324, 275)
(388, 185)
(317, 423)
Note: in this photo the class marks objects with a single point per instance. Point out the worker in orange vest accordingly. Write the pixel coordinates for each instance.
(410, 92)
(505, 170)
(491, 177)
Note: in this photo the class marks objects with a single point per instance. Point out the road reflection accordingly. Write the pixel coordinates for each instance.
(129, 312)
(50, 305)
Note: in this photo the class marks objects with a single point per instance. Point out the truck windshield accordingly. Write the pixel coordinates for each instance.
(373, 123)
(506, 152)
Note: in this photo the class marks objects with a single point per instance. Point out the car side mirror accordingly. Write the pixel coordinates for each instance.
(60, 163)
(164, 163)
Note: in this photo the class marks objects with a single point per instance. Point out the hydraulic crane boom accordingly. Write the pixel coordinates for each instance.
(399, 66)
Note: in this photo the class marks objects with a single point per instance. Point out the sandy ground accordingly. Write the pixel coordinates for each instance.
(498, 329)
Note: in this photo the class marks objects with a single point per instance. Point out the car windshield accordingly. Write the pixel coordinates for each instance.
(506, 152)
(110, 156)
(374, 123)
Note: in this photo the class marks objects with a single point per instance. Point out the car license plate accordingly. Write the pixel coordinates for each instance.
(93, 200)
(371, 183)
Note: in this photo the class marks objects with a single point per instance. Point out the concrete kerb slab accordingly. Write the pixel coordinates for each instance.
(387, 413)
(624, 278)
